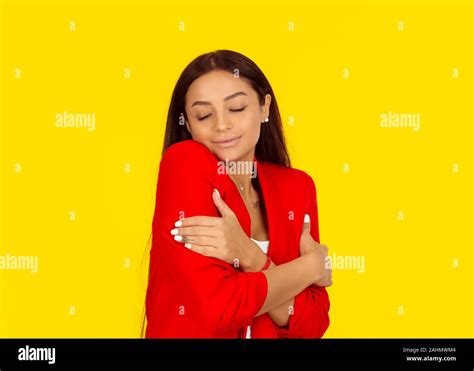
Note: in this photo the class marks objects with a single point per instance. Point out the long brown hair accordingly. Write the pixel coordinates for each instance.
(271, 145)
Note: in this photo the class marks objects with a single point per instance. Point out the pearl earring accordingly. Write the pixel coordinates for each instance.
(266, 119)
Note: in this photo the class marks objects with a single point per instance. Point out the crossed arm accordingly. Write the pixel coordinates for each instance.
(224, 239)
(238, 296)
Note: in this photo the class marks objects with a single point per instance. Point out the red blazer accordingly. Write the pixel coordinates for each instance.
(193, 296)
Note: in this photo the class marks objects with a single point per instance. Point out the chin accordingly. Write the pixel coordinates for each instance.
(230, 155)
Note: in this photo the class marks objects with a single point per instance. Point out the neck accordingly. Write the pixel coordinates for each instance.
(244, 183)
(243, 178)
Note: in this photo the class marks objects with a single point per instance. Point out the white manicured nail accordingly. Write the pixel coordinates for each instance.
(188, 245)
(178, 238)
(218, 194)
(174, 231)
(306, 218)
(179, 223)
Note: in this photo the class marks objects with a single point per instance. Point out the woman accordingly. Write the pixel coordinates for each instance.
(235, 250)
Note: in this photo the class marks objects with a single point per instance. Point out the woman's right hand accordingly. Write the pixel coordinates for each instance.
(318, 253)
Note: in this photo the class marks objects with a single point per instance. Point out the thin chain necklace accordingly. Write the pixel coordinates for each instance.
(255, 204)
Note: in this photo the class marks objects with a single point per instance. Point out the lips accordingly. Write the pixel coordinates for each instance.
(227, 142)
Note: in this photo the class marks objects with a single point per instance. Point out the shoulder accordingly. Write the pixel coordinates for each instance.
(188, 154)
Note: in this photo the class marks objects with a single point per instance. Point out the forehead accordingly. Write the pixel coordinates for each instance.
(215, 86)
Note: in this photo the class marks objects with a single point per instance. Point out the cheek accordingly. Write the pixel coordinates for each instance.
(251, 124)
(200, 130)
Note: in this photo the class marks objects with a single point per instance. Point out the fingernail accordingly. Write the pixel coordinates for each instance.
(179, 223)
(306, 218)
(188, 245)
(174, 231)
(178, 238)
(215, 189)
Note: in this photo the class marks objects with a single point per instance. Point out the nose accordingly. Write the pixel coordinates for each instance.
(222, 123)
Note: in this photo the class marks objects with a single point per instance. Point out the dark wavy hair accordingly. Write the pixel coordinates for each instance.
(271, 145)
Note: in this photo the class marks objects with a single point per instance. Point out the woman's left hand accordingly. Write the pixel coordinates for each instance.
(221, 238)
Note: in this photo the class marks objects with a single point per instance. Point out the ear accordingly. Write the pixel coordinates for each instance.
(266, 108)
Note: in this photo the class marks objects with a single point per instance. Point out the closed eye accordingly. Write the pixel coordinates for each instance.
(231, 110)
(237, 109)
(204, 117)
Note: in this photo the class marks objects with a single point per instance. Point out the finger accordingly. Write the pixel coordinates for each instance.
(208, 251)
(207, 221)
(306, 224)
(195, 231)
(223, 208)
(199, 240)
(327, 283)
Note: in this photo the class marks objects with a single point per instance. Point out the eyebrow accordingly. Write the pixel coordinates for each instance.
(201, 102)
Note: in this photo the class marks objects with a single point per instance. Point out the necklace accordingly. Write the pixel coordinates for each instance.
(255, 204)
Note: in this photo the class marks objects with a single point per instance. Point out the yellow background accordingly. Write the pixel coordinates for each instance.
(335, 68)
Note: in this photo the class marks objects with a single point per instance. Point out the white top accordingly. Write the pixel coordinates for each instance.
(264, 246)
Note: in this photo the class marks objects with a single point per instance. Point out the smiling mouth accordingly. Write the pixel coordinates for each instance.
(227, 142)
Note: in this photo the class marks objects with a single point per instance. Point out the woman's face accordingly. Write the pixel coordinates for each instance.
(222, 107)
